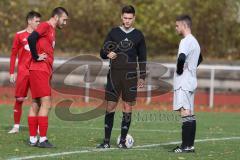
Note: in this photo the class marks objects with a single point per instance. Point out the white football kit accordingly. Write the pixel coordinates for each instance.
(185, 84)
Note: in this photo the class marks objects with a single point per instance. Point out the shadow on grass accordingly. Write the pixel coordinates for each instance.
(170, 147)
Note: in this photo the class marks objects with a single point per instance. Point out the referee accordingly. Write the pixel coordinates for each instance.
(125, 48)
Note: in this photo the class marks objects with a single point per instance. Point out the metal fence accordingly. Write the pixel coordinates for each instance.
(210, 68)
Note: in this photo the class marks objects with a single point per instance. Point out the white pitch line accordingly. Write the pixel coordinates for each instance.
(104, 150)
(198, 140)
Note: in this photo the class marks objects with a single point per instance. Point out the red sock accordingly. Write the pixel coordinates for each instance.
(43, 125)
(33, 125)
(17, 112)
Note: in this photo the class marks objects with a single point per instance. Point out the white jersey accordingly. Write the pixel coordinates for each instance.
(188, 79)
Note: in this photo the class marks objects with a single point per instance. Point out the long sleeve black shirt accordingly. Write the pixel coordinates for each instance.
(130, 48)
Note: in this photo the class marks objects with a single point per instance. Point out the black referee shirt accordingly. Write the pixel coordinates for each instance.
(130, 47)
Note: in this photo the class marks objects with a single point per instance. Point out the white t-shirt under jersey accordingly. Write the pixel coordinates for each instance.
(188, 79)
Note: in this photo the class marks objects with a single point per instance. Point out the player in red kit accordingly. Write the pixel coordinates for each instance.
(20, 50)
(41, 43)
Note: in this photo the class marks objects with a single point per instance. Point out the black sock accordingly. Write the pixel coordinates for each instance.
(187, 128)
(109, 118)
(193, 132)
(126, 121)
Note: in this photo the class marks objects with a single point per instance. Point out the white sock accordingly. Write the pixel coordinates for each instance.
(42, 139)
(16, 126)
(33, 139)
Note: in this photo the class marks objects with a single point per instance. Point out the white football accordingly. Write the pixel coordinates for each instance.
(129, 141)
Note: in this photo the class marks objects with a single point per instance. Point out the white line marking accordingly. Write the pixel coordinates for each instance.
(198, 140)
(104, 150)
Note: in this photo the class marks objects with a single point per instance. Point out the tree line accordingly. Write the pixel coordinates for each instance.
(216, 24)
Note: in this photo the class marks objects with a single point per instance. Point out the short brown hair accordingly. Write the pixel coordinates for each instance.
(185, 18)
(58, 11)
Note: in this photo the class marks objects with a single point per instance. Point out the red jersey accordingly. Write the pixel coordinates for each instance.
(45, 44)
(20, 49)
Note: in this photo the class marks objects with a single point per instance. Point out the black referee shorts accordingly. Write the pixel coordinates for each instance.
(121, 82)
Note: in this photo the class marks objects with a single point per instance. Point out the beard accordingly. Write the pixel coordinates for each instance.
(59, 26)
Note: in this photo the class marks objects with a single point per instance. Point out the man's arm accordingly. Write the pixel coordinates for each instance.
(13, 57)
(142, 58)
(108, 47)
(14, 52)
(32, 41)
(180, 63)
(200, 59)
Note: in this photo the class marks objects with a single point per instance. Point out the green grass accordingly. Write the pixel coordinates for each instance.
(148, 127)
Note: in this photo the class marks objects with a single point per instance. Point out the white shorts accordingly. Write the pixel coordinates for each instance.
(183, 99)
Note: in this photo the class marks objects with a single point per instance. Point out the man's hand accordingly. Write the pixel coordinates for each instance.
(112, 55)
(12, 78)
(42, 57)
(140, 83)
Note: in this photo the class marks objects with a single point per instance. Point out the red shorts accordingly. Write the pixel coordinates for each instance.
(22, 85)
(40, 83)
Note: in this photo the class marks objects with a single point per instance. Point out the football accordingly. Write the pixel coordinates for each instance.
(129, 140)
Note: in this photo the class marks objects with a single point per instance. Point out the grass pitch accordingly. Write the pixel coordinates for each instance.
(154, 132)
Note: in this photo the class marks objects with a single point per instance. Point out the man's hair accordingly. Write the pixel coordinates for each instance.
(128, 9)
(59, 11)
(186, 18)
(32, 14)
